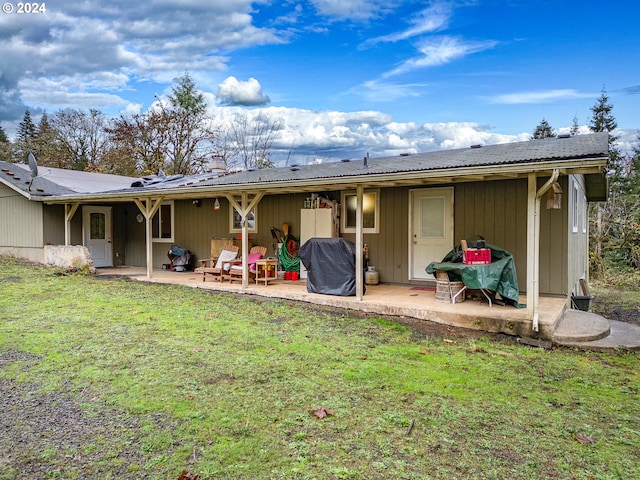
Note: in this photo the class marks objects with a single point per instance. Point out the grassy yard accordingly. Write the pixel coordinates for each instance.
(233, 388)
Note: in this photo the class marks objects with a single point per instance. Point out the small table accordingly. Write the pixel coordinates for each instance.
(266, 269)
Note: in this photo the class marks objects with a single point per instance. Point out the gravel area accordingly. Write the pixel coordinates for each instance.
(59, 435)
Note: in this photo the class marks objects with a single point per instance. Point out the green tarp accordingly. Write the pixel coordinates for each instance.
(498, 276)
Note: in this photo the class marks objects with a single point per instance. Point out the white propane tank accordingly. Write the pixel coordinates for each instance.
(371, 277)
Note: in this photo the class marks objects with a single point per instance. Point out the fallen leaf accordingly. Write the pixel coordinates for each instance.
(583, 439)
(285, 340)
(321, 412)
(364, 357)
(185, 475)
(424, 352)
(446, 340)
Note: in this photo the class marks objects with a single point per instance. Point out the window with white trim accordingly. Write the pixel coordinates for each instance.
(162, 223)
(585, 209)
(235, 221)
(576, 209)
(370, 211)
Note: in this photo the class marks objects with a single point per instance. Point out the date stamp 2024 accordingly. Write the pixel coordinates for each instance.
(25, 8)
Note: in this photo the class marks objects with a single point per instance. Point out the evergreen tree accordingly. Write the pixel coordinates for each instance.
(47, 147)
(615, 238)
(25, 138)
(5, 146)
(543, 130)
(186, 126)
(603, 119)
(575, 128)
(3, 135)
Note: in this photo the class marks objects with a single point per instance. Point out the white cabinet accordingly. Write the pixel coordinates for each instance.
(318, 223)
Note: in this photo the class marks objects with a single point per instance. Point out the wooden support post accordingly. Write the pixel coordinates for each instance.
(148, 207)
(359, 244)
(244, 208)
(69, 212)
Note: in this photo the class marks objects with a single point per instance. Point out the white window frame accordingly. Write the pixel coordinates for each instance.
(345, 205)
(584, 215)
(576, 211)
(157, 228)
(235, 228)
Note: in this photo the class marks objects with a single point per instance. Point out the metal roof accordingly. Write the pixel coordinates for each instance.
(533, 151)
(57, 181)
(587, 154)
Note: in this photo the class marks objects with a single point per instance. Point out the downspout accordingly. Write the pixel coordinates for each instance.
(536, 248)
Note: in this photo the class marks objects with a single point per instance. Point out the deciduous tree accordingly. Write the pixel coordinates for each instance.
(250, 139)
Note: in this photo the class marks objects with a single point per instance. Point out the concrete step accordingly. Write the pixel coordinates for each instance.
(589, 331)
(579, 326)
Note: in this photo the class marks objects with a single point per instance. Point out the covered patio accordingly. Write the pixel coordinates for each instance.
(384, 299)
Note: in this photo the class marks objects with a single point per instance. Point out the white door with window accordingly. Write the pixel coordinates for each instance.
(430, 229)
(96, 234)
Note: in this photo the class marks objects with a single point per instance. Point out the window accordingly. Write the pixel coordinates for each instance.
(585, 208)
(162, 223)
(576, 209)
(370, 211)
(235, 222)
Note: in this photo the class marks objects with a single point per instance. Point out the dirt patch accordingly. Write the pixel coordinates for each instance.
(628, 316)
(61, 434)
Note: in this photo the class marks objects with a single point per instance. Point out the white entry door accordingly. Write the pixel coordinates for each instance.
(96, 234)
(430, 229)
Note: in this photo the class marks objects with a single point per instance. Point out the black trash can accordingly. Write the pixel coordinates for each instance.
(582, 302)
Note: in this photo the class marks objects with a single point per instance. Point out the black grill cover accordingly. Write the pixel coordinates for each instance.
(331, 266)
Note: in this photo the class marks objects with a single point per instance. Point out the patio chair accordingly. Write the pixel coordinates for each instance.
(256, 253)
(219, 266)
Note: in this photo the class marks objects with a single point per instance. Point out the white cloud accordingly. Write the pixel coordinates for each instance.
(80, 48)
(311, 136)
(542, 96)
(432, 19)
(381, 91)
(351, 9)
(234, 92)
(440, 51)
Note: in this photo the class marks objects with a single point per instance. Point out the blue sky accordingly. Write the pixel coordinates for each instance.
(346, 77)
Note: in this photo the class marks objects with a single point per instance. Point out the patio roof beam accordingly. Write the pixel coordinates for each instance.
(148, 207)
(244, 208)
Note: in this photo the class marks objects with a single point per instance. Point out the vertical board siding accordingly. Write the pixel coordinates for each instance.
(21, 225)
(388, 249)
(496, 210)
(553, 264)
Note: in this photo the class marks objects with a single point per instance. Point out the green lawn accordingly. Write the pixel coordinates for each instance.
(224, 387)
